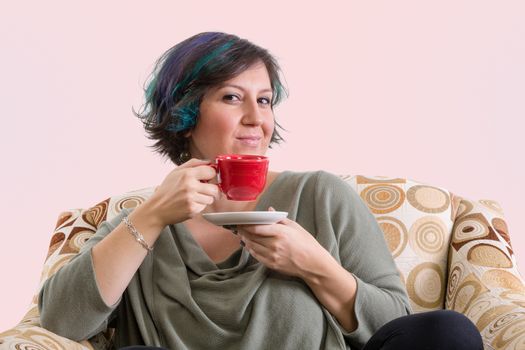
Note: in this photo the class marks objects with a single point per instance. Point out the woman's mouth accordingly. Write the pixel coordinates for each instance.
(250, 141)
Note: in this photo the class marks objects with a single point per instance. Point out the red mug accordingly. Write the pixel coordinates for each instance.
(241, 177)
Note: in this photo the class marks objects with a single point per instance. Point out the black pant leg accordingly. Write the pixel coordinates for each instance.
(434, 330)
(142, 347)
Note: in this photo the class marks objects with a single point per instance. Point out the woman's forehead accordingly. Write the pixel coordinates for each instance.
(253, 78)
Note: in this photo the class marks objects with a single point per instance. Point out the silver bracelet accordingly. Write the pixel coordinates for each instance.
(138, 236)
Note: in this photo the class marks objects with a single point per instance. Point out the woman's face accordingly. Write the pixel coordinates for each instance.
(235, 117)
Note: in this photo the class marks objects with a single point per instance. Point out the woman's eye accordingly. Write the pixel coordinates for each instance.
(231, 97)
(265, 100)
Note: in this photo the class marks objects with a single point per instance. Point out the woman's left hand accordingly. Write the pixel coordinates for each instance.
(288, 248)
(284, 246)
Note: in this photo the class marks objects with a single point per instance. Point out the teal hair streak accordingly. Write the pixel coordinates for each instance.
(151, 89)
(184, 117)
(199, 65)
(186, 114)
(279, 91)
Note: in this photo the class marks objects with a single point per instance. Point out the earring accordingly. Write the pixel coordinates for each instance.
(184, 156)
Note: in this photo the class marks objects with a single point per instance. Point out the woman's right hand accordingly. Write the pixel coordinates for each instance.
(180, 196)
(184, 192)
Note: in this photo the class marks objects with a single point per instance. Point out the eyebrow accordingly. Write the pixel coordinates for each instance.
(220, 86)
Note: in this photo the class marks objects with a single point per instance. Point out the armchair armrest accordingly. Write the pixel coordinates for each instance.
(29, 335)
(483, 280)
(73, 228)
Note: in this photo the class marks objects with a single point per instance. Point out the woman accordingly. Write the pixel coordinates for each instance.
(162, 275)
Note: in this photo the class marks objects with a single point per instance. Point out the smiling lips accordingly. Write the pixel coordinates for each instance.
(250, 141)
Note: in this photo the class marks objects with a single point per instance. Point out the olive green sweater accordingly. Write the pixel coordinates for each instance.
(180, 299)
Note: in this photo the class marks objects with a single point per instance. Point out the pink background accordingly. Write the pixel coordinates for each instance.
(431, 92)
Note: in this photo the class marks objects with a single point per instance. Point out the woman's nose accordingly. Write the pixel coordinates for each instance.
(252, 115)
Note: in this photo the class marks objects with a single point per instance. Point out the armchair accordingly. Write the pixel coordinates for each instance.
(451, 253)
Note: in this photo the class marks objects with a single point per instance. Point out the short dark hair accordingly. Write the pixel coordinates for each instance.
(184, 73)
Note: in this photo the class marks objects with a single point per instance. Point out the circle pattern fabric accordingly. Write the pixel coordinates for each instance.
(428, 199)
(428, 237)
(383, 198)
(395, 234)
(424, 285)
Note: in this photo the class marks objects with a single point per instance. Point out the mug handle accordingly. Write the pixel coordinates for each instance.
(215, 166)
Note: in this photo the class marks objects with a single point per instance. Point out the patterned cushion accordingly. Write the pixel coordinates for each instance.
(417, 223)
(484, 282)
(437, 240)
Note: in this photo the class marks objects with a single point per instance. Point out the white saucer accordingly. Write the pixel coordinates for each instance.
(245, 217)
